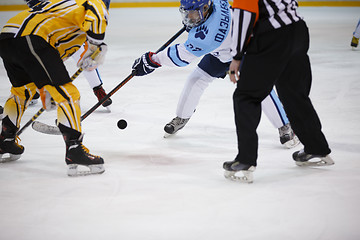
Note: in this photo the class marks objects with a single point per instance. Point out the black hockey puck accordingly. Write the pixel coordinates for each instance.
(122, 124)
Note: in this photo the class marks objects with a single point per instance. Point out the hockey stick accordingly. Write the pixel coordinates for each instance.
(47, 129)
(85, 115)
(41, 110)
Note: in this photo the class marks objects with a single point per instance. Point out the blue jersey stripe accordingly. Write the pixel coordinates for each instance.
(173, 54)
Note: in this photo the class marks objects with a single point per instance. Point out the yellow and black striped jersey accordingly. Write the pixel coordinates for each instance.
(64, 24)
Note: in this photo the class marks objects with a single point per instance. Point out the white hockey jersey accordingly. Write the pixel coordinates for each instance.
(213, 36)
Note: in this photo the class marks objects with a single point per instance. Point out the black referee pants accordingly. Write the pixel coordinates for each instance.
(279, 58)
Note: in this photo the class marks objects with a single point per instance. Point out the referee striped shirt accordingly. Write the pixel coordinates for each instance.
(257, 16)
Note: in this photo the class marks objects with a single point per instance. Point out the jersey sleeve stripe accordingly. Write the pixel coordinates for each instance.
(173, 54)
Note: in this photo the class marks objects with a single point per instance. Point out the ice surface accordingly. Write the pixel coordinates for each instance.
(173, 189)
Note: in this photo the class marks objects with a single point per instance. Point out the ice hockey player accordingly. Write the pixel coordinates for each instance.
(93, 77)
(356, 35)
(33, 56)
(208, 23)
(270, 45)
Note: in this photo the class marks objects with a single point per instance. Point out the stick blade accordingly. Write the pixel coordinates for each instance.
(44, 128)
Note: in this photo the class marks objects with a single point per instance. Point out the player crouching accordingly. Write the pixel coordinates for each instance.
(33, 56)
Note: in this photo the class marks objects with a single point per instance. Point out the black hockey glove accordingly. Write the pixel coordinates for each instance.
(144, 65)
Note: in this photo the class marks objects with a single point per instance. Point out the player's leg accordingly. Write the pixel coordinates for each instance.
(356, 35)
(293, 88)
(194, 88)
(67, 98)
(274, 110)
(207, 70)
(14, 109)
(22, 92)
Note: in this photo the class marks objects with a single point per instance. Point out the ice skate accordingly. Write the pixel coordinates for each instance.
(100, 94)
(78, 155)
(303, 159)
(175, 125)
(288, 137)
(354, 42)
(10, 150)
(233, 167)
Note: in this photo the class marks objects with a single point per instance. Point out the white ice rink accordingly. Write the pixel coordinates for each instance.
(173, 189)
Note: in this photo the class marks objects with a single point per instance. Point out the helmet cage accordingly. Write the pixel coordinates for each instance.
(194, 17)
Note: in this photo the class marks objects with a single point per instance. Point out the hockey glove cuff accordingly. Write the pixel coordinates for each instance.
(144, 65)
(92, 57)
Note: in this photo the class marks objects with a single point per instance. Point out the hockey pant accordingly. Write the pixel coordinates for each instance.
(18, 101)
(93, 77)
(199, 80)
(66, 96)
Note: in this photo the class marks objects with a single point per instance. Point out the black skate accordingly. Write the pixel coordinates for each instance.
(232, 167)
(303, 159)
(175, 125)
(77, 154)
(100, 94)
(10, 150)
(288, 137)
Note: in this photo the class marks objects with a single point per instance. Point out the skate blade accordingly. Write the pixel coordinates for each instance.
(108, 109)
(292, 143)
(247, 178)
(325, 161)
(8, 157)
(167, 135)
(93, 169)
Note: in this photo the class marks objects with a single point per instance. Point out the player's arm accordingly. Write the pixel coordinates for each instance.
(94, 24)
(174, 56)
(245, 14)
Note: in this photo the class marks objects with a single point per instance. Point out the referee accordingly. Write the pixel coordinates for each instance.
(271, 41)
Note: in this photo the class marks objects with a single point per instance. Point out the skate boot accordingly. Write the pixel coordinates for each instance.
(303, 159)
(100, 94)
(78, 155)
(288, 137)
(232, 167)
(175, 125)
(354, 42)
(35, 99)
(10, 150)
